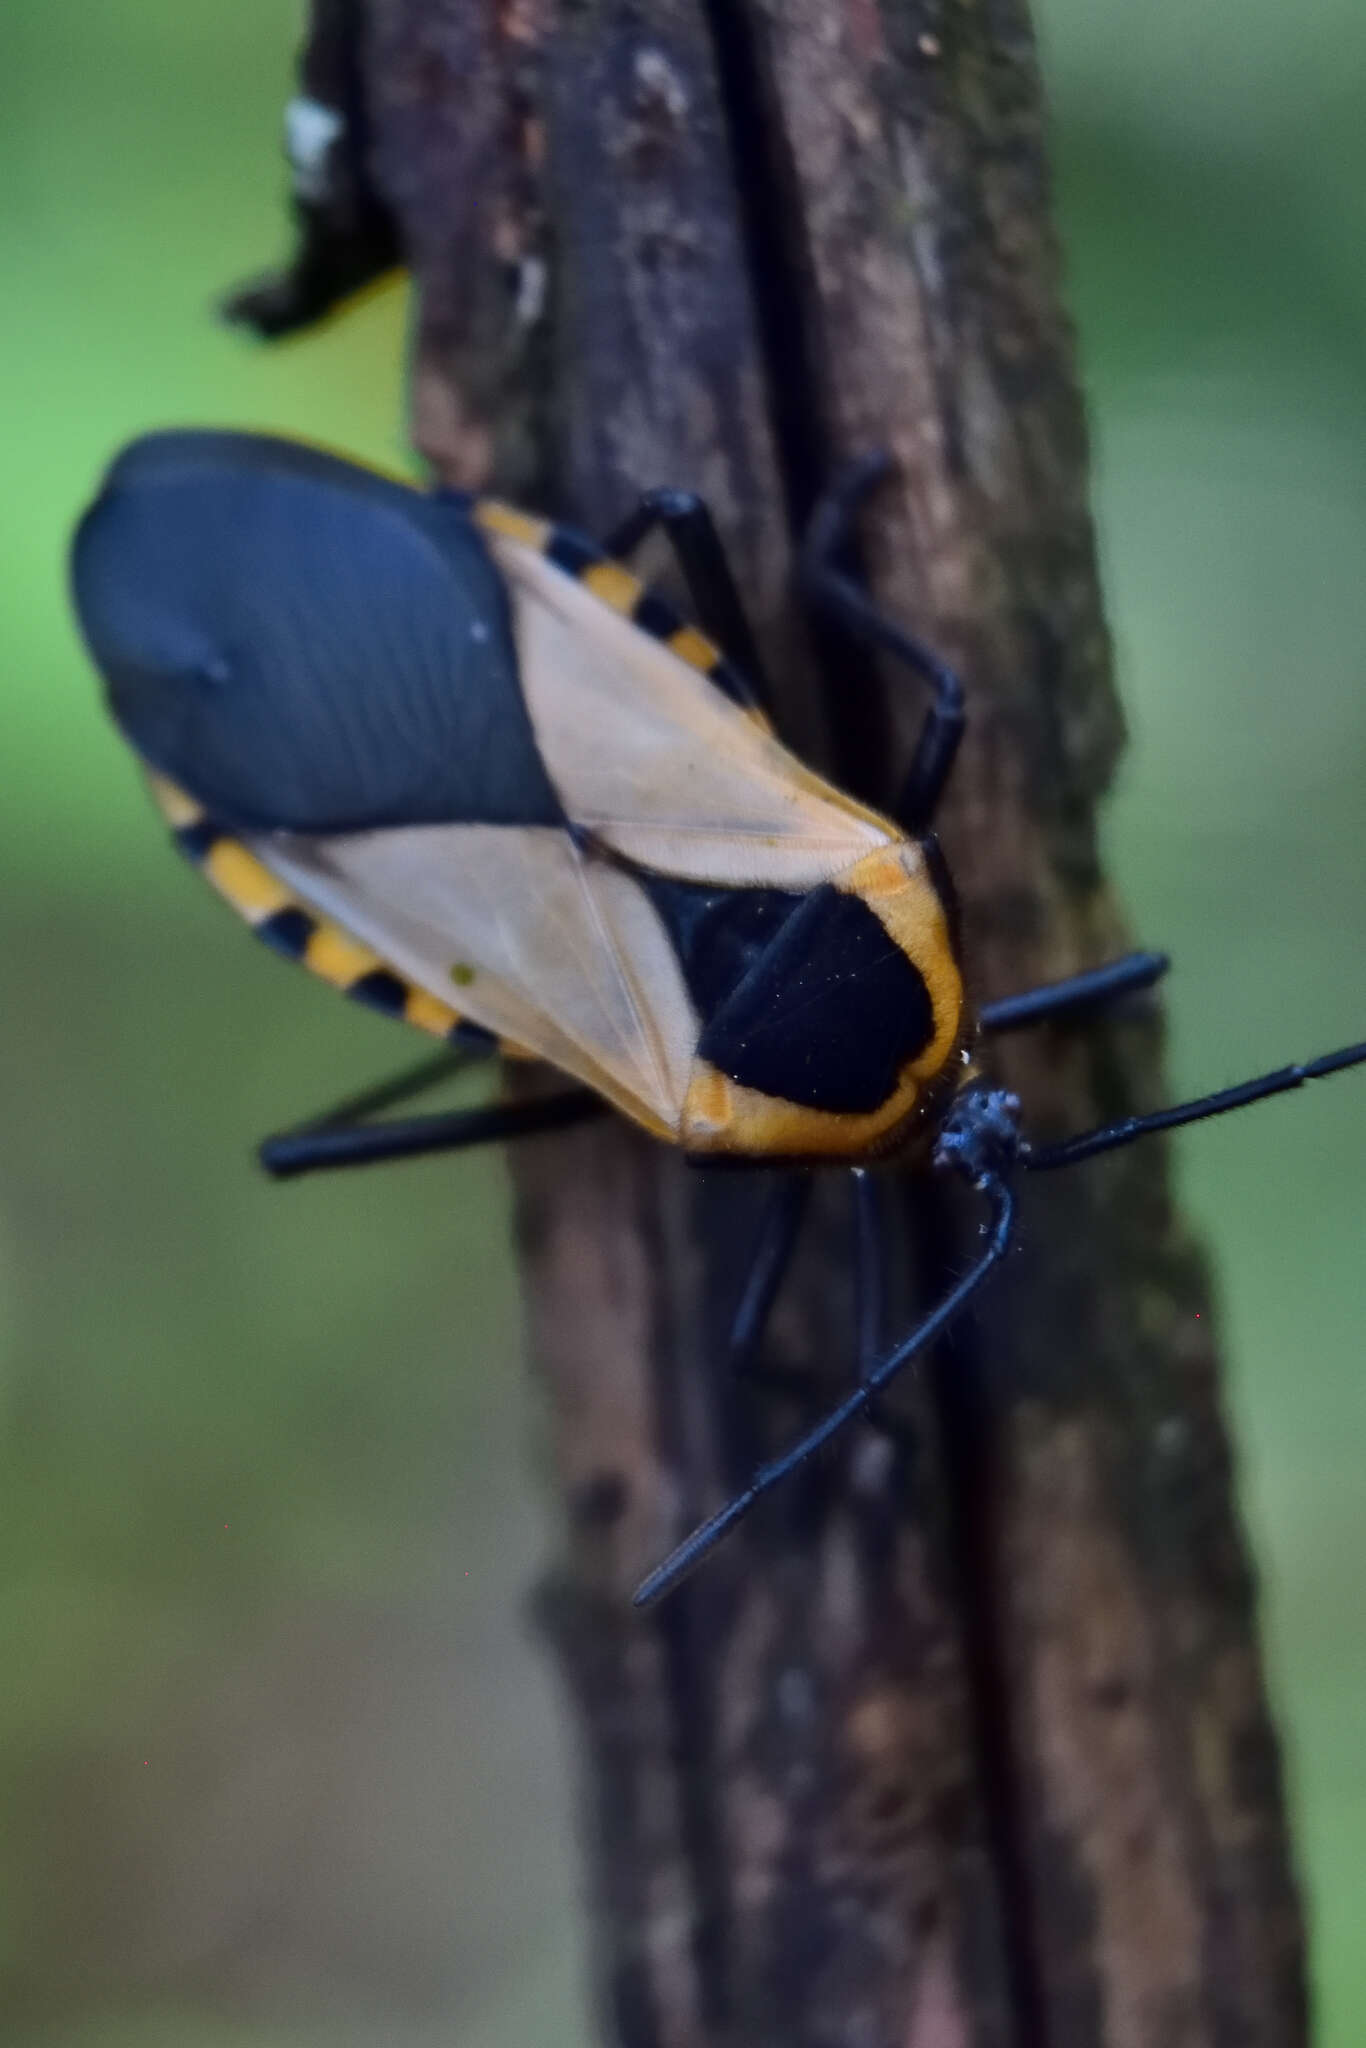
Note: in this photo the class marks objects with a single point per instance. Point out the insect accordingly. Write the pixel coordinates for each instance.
(462, 764)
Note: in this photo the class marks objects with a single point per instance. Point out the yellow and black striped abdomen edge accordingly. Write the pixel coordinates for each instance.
(289, 927)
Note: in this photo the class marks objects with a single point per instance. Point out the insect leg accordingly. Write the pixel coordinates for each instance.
(1080, 992)
(782, 1218)
(428, 1073)
(359, 1144)
(870, 1268)
(1110, 1136)
(691, 531)
(695, 1547)
(870, 1290)
(843, 599)
(783, 1215)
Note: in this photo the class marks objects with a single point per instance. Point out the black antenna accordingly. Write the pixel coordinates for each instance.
(694, 1548)
(981, 1139)
(1039, 1158)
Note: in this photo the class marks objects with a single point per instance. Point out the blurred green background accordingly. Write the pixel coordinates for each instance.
(279, 1763)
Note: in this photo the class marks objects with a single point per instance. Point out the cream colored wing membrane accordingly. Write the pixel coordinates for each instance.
(654, 759)
(526, 935)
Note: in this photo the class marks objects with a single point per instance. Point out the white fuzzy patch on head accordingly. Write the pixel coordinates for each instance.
(310, 131)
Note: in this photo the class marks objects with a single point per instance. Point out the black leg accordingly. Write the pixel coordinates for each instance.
(695, 1547)
(1110, 1136)
(1080, 992)
(845, 600)
(870, 1268)
(692, 534)
(784, 1213)
(429, 1073)
(870, 1291)
(358, 1144)
(870, 1295)
(778, 1227)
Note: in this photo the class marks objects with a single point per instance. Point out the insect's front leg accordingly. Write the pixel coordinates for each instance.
(691, 531)
(835, 592)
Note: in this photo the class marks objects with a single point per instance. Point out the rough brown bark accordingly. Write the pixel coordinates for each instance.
(969, 1745)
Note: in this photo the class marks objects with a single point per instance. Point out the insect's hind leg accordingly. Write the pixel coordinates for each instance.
(836, 593)
(356, 1109)
(428, 1073)
(691, 531)
(342, 1137)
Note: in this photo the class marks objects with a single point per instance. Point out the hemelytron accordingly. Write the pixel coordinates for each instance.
(462, 764)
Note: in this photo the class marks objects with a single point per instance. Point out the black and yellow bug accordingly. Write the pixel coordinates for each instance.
(463, 765)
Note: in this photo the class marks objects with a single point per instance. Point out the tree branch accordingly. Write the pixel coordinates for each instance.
(969, 1743)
